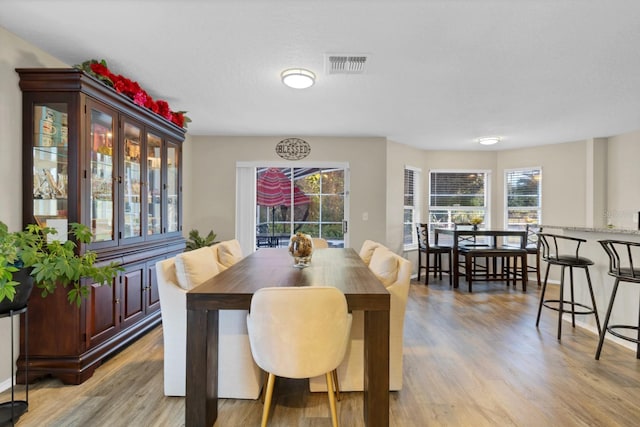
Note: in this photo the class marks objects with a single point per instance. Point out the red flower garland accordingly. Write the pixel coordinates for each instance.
(133, 91)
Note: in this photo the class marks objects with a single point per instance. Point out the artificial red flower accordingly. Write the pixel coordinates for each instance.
(133, 90)
(140, 98)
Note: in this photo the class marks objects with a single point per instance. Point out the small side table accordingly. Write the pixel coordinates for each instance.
(12, 410)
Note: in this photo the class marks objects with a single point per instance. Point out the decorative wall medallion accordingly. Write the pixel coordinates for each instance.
(293, 149)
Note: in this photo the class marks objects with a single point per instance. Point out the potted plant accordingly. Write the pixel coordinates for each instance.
(36, 254)
(196, 241)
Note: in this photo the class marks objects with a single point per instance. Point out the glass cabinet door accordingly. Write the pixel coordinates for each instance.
(131, 180)
(101, 127)
(50, 168)
(154, 187)
(173, 188)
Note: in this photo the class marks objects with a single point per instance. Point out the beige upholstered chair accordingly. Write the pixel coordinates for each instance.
(320, 243)
(366, 251)
(298, 332)
(227, 253)
(238, 375)
(395, 273)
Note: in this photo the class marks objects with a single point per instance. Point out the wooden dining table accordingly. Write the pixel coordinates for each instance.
(457, 234)
(233, 288)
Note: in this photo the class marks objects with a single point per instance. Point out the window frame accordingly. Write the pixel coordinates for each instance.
(415, 208)
(485, 210)
(506, 206)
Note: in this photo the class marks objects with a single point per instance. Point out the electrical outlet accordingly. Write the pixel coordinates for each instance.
(365, 216)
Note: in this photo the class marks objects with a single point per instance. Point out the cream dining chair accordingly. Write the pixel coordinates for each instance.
(298, 332)
(320, 243)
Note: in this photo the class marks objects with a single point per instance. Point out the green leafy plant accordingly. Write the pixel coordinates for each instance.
(51, 262)
(196, 241)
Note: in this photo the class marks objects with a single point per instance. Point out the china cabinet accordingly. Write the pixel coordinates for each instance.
(91, 155)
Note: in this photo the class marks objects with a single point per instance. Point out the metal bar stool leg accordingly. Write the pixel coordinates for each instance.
(573, 300)
(593, 300)
(561, 302)
(603, 332)
(544, 289)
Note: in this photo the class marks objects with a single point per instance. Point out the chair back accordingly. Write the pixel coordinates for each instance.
(423, 236)
(621, 259)
(532, 235)
(319, 243)
(366, 251)
(470, 240)
(298, 332)
(556, 248)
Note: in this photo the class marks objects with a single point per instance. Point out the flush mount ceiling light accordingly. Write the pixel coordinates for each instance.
(298, 78)
(489, 140)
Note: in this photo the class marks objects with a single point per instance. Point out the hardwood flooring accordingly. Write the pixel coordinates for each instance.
(470, 360)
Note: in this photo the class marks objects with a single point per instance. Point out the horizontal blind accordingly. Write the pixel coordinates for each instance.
(462, 189)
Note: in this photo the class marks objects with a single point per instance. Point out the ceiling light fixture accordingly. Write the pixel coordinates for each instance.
(489, 140)
(298, 78)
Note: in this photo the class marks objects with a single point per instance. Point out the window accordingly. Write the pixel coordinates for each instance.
(457, 197)
(411, 206)
(523, 190)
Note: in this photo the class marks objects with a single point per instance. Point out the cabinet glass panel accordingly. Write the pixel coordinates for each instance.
(102, 174)
(50, 156)
(172, 188)
(131, 181)
(154, 180)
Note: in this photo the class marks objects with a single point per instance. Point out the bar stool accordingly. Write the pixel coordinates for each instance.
(551, 254)
(622, 268)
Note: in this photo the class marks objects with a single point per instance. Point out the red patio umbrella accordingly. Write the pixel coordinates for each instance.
(274, 189)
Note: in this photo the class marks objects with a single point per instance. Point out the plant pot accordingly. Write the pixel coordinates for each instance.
(23, 292)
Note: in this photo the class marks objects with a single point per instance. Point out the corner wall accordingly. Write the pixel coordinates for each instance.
(15, 53)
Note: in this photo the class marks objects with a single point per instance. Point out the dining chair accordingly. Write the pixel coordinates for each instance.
(319, 243)
(471, 244)
(531, 246)
(426, 249)
(366, 250)
(299, 332)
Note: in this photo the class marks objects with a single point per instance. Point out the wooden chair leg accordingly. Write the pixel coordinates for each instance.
(267, 400)
(336, 383)
(264, 386)
(332, 399)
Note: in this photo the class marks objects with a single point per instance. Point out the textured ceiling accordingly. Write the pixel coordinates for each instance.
(440, 73)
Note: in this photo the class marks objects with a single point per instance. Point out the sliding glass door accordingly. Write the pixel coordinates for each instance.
(306, 200)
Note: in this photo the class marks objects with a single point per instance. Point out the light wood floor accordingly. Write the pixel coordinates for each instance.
(470, 360)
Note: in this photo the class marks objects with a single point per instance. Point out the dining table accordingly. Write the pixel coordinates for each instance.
(233, 288)
(458, 234)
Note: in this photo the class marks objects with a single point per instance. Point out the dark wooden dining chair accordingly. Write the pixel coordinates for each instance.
(426, 250)
(531, 246)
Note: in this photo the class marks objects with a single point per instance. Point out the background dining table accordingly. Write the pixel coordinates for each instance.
(457, 234)
(233, 288)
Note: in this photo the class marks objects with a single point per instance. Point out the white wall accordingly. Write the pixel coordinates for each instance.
(210, 170)
(623, 180)
(563, 180)
(15, 53)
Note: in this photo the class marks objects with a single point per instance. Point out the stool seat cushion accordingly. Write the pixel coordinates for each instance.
(569, 260)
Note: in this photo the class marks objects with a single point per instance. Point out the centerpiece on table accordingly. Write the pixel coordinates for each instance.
(301, 249)
(476, 221)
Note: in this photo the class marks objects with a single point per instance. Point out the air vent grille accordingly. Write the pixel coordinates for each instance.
(346, 64)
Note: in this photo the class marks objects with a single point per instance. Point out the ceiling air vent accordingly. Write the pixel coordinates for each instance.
(346, 64)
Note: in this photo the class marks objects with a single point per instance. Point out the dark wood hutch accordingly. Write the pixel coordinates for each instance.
(91, 155)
